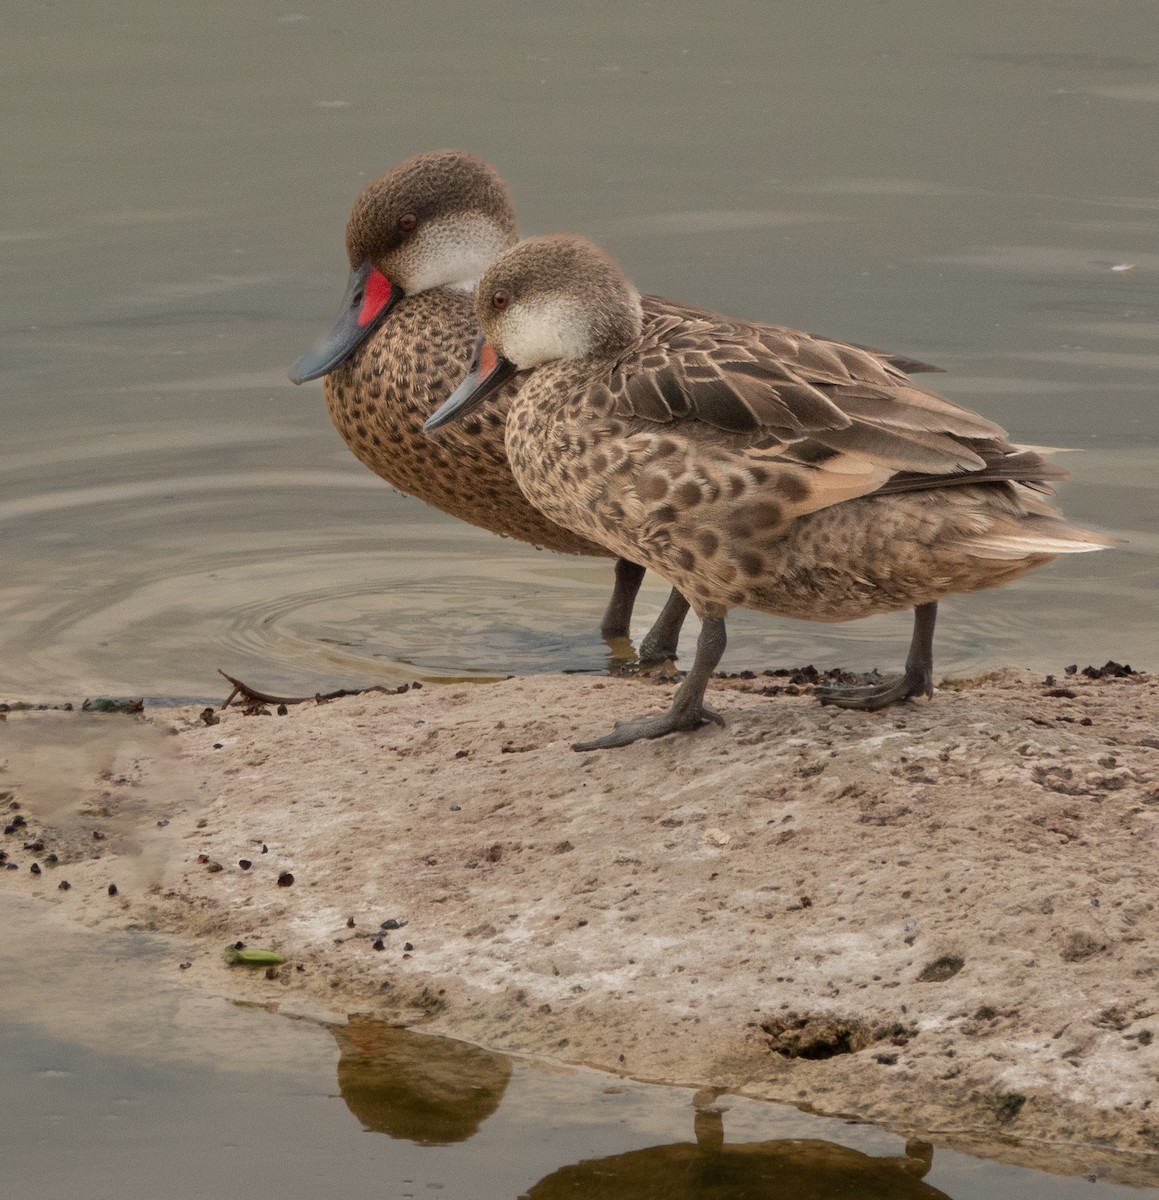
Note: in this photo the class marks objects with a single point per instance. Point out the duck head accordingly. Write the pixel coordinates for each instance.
(436, 220)
(548, 299)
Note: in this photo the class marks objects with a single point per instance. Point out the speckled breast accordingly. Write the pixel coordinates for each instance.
(380, 396)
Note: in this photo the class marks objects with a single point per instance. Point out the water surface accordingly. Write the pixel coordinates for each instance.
(957, 183)
(155, 1087)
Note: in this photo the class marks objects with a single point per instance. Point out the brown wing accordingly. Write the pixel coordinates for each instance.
(840, 419)
(660, 306)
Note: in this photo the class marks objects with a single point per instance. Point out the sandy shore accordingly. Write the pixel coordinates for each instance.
(941, 918)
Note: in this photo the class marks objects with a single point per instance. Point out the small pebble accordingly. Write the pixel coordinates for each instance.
(408, 946)
(214, 867)
(50, 860)
(282, 710)
(349, 922)
(163, 822)
(392, 923)
(379, 944)
(244, 863)
(203, 858)
(456, 808)
(64, 885)
(185, 966)
(112, 889)
(35, 868)
(285, 879)
(265, 848)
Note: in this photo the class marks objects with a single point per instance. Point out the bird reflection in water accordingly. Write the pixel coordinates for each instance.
(435, 1092)
(428, 1090)
(708, 1169)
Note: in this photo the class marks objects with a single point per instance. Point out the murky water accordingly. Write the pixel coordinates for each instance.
(151, 1087)
(958, 182)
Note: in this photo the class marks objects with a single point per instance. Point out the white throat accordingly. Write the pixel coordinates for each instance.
(454, 253)
(546, 329)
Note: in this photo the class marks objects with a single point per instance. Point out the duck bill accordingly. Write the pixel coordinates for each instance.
(369, 297)
(489, 372)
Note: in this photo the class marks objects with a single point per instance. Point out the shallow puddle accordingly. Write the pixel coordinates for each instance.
(121, 1081)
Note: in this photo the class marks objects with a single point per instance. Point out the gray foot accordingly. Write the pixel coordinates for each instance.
(674, 720)
(878, 695)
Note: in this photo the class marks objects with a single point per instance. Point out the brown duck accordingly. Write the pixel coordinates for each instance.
(418, 239)
(750, 467)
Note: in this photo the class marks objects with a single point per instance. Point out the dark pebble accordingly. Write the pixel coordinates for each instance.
(35, 847)
(50, 860)
(18, 821)
(271, 972)
(349, 922)
(379, 944)
(244, 863)
(218, 745)
(285, 879)
(239, 945)
(282, 710)
(11, 866)
(185, 966)
(98, 836)
(112, 889)
(64, 885)
(163, 822)
(416, 684)
(203, 858)
(408, 946)
(265, 848)
(35, 868)
(391, 923)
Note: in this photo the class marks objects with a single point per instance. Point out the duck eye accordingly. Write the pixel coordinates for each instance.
(500, 299)
(407, 222)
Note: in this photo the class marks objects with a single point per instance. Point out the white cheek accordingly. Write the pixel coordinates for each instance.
(543, 331)
(453, 254)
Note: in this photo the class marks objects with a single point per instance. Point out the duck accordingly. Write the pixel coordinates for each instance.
(749, 470)
(418, 238)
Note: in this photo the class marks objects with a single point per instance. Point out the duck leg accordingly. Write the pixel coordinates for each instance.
(918, 679)
(661, 640)
(618, 615)
(688, 709)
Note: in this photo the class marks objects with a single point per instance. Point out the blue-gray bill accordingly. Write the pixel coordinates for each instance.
(369, 297)
(489, 371)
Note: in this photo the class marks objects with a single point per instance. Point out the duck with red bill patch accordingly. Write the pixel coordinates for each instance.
(418, 239)
(748, 469)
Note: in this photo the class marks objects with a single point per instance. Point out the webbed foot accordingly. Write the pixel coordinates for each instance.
(875, 696)
(918, 679)
(641, 728)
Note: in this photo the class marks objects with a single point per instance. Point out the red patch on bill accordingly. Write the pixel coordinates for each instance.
(377, 297)
(488, 360)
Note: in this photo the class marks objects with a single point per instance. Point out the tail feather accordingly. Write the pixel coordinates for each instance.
(1034, 536)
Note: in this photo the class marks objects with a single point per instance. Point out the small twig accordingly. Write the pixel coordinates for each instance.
(256, 697)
